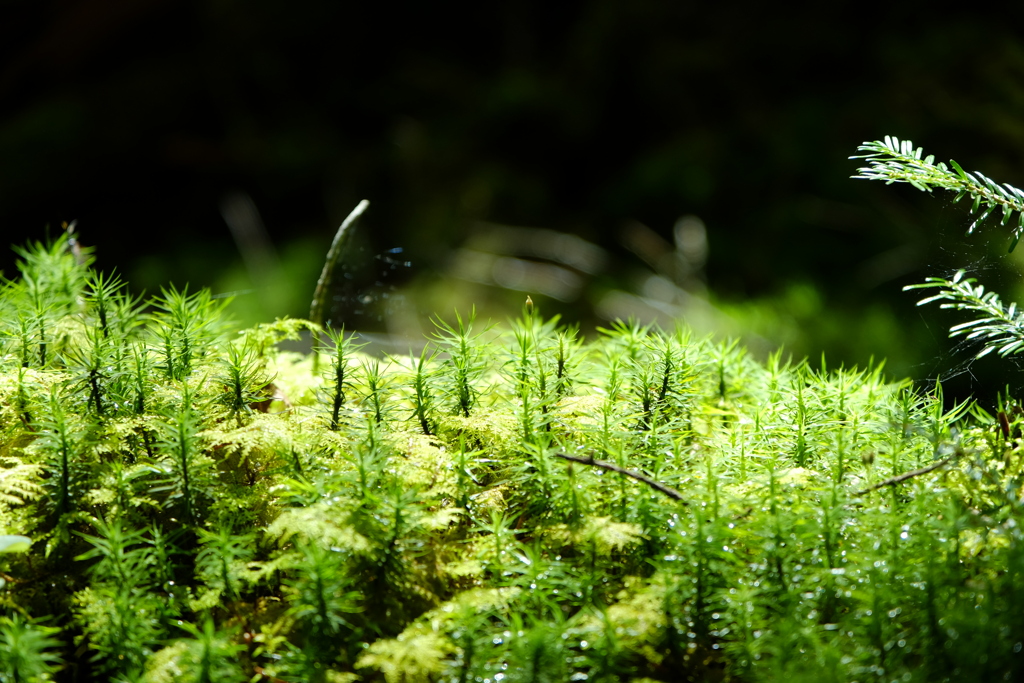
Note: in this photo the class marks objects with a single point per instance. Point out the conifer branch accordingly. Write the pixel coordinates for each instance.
(1001, 327)
(896, 161)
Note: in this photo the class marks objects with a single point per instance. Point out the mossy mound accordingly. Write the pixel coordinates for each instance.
(204, 507)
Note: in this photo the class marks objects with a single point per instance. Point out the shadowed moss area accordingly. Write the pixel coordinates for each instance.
(181, 501)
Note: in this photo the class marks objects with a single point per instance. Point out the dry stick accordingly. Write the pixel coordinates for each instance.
(891, 481)
(341, 240)
(604, 464)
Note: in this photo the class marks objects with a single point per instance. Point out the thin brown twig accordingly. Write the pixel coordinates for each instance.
(604, 464)
(892, 481)
(746, 513)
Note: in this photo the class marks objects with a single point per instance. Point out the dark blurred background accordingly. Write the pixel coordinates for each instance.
(649, 158)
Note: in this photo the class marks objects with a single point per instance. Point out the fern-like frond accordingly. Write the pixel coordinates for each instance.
(19, 482)
(898, 161)
(418, 654)
(1000, 327)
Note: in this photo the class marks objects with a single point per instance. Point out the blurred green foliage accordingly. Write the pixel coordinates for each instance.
(138, 120)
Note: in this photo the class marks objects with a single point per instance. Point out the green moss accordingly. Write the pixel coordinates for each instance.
(203, 504)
